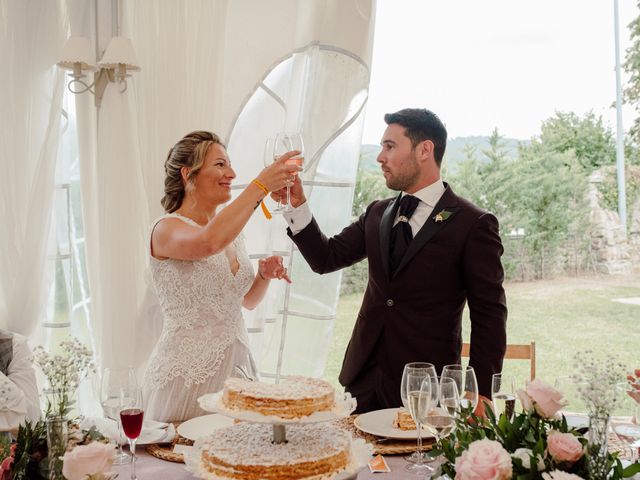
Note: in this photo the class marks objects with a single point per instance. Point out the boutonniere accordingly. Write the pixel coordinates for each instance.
(442, 216)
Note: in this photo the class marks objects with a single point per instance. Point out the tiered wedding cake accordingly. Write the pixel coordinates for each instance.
(251, 451)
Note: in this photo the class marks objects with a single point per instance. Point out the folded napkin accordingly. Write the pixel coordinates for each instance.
(152, 431)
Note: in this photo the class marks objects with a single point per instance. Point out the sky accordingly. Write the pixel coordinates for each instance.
(509, 64)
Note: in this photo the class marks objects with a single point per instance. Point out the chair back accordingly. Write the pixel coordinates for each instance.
(525, 351)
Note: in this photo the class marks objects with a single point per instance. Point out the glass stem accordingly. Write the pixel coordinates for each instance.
(132, 447)
(419, 460)
(120, 452)
(288, 207)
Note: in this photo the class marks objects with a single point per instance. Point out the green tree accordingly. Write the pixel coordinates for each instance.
(632, 67)
(592, 142)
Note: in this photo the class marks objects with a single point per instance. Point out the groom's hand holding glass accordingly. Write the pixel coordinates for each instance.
(296, 193)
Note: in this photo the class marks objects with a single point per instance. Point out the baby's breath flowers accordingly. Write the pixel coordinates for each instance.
(64, 372)
(596, 381)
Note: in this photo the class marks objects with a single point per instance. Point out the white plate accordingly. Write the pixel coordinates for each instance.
(380, 423)
(156, 435)
(202, 426)
(576, 420)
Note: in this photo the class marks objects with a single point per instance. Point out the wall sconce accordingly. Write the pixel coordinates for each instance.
(118, 60)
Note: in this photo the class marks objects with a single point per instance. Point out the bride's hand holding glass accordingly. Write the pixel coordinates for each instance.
(272, 268)
(280, 173)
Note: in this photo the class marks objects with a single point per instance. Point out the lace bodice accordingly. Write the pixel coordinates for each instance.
(201, 302)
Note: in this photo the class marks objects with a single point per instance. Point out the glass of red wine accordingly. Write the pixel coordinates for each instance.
(131, 418)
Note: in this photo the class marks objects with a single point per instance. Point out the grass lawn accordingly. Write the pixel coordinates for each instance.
(563, 316)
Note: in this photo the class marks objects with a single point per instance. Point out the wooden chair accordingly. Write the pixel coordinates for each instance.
(514, 352)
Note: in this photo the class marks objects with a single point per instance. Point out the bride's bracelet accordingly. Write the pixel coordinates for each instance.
(265, 210)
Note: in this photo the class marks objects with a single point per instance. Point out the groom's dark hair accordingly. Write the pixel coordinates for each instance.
(421, 124)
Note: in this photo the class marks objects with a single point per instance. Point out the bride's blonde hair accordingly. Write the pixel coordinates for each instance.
(190, 152)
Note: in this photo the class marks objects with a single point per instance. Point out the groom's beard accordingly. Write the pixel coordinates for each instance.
(406, 177)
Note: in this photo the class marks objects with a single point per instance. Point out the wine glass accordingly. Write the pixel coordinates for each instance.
(503, 395)
(131, 418)
(418, 388)
(269, 158)
(627, 428)
(465, 378)
(415, 367)
(440, 420)
(116, 389)
(286, 142)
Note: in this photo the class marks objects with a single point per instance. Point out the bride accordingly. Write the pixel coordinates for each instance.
(203, 276)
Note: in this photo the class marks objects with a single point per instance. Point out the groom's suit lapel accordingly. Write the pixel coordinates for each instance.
(448, 202)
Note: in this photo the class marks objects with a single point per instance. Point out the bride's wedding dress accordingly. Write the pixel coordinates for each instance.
(203, 337)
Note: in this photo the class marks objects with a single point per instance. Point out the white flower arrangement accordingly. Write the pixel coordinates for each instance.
(596, 381)
(64, 372)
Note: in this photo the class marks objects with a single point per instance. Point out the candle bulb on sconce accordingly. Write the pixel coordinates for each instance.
(118, 60)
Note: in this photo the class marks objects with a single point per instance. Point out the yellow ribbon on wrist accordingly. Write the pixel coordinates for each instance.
(262, 187)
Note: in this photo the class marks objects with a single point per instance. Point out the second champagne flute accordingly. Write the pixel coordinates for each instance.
(503, 395)
(132, 418)
(415, 367)
(419, 396)
(286, 142)
(465, 378)
(269, 158)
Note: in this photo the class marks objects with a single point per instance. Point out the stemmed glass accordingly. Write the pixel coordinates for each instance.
(441, 420)
(117, 388)
(503, 395)
(131, 418)
(414, 367)
(418, 388)
(465, 378)
(269, 158)
(627, 428)
(286, 142)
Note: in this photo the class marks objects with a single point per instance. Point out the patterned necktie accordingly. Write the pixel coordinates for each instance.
(401, 234)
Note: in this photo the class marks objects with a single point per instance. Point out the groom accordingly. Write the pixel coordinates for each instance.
(429, 252)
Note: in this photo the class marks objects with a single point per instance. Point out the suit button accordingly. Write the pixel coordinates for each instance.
(389, 303)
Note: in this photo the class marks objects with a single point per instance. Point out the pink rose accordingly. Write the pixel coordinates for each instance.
(564, 447)
(484, 460)
(547, 401)
(525, 400)
(87, 460)
(559, 475)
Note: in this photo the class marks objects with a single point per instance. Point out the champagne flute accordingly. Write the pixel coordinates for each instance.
(415, 367)
(116, 389)
(627, 428)
(269, 158)
(419, 400)
(131, 418)
(441, 420)
(465, 378)
(503, 395)
(286, 142)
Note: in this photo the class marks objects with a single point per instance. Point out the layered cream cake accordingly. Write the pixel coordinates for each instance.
(293, 397)
(246, 451)
(403, 420)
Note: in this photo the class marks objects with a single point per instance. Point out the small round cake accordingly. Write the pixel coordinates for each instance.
(246, 451)
(294, 397)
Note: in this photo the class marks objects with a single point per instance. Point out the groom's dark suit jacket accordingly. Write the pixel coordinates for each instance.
(415, 313)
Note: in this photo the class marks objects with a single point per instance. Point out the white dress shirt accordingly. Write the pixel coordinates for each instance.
(18, 389)
(300, 217)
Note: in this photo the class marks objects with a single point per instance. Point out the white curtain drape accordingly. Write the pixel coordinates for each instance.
(32, 33)
(246, 69)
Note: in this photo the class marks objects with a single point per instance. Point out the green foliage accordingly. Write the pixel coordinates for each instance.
(592, 142)
(526, 430)
(31, 448)
(609, 188)
(632, 67)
